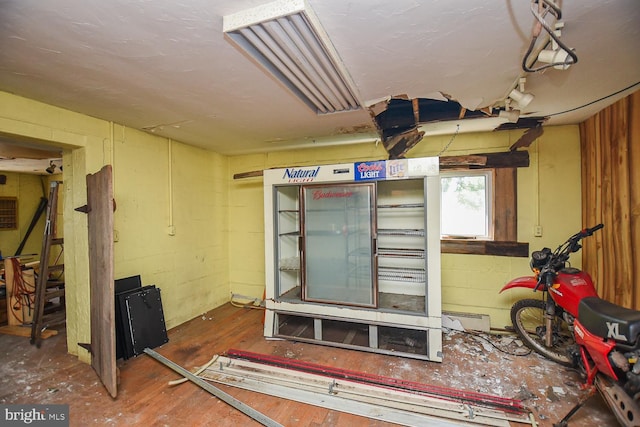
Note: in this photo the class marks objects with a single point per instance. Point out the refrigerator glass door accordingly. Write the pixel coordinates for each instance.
(339, 251)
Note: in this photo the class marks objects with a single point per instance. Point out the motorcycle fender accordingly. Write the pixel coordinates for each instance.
(527, 282)
(597, 348)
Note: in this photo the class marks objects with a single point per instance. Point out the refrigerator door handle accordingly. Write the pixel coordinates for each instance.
(301, 257)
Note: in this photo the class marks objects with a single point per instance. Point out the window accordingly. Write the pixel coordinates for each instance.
(8, 213)
(466, 205)
(479, 212)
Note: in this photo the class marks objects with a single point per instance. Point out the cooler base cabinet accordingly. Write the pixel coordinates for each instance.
(397, 339)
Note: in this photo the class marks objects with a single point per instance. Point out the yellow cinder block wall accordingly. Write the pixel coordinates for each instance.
(170, 221)
(548, 195)
(28, 189)
(158, 183)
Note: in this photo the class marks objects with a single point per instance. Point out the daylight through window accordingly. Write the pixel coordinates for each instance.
(465, 203)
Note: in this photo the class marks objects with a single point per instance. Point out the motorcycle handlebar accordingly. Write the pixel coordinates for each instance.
(590, 231)
(561, 254)
(584, 233)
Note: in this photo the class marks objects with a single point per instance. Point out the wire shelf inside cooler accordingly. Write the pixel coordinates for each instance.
(401, 253)
(402, 206)
(401, 232)
(396, 274)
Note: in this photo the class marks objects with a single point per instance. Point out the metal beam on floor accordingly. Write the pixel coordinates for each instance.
(375, 402)
(227, 398)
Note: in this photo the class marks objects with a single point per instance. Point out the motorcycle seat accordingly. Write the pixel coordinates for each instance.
(608, 320)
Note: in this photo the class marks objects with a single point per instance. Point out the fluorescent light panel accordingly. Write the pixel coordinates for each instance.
(286, 39)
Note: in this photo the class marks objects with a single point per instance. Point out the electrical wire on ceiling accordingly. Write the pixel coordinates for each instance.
(561, 56)
(595, 101)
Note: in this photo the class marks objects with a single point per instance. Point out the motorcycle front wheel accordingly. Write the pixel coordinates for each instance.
(527, 316)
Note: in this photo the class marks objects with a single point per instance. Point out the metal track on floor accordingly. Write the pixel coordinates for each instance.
(373, 401)
(242, 407)
(473, 398)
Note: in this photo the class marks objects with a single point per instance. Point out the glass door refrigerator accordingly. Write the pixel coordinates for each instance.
(338, 244)
(352, 256)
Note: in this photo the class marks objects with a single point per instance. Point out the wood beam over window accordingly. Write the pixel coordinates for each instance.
(505, 203)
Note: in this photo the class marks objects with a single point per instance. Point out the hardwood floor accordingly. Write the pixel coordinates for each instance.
(49, 375)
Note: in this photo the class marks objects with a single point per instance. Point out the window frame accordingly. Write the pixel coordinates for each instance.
(489, 202)
(505, 200)
(8, 219)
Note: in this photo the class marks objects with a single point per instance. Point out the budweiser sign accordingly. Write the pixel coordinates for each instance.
(330, 194)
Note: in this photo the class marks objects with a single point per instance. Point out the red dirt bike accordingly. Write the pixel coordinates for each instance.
(571, 325)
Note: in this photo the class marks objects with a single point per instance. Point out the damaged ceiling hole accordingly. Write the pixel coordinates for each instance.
(397, 122)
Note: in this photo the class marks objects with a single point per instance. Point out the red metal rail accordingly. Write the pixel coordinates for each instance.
(451, 394)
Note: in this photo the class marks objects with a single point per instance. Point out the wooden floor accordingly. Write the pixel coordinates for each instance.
(49, 375)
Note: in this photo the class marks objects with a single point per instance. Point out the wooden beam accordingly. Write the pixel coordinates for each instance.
(485, 247)
(11, 151)
(509, 159)
(528, 137)
(101, 280)
(505, 227)
(407, 141)
(401, 138)
(449, 162)
(250, 174)
(416, 109)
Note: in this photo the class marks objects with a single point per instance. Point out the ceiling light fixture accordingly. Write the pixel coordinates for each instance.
(559, 59)
(557, 56)
(560, 56)
(511, 116)
(518, 95)
(287, 40)
(523, 99)
(52, 167)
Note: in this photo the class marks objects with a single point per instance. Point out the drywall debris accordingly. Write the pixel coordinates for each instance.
(450, 323)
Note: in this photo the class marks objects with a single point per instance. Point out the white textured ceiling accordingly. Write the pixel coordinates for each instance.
(165, 65)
